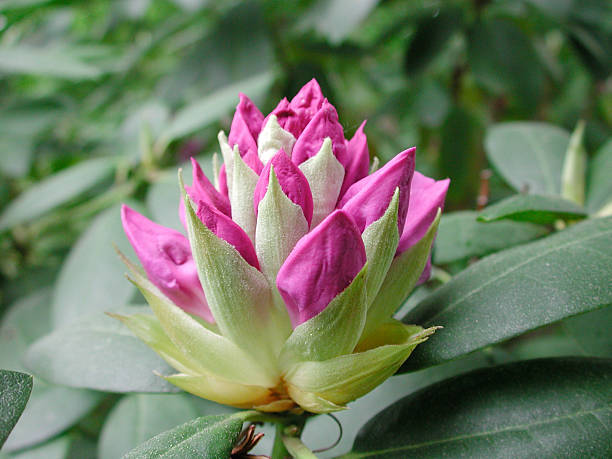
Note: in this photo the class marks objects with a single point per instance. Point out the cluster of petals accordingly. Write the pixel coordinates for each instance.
(298, 206)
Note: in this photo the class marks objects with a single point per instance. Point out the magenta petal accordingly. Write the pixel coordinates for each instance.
(426, 196)
(322, 265)
(323, 124)
(307, 102)
(202, 190)
(252, 160)
(246, 126)
(225, 228)
(223, 182)
(287, 118)
(367, 200)
(166, 258)
(292, 181)
(359, 160)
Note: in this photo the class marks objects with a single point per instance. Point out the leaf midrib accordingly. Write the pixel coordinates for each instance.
(576, 414)
(493, 279)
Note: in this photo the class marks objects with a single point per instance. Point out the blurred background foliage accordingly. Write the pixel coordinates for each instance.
(100, 101)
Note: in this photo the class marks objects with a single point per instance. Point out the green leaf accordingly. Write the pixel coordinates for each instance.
(538, 408)
(92, 277)
(58, 448)
(461, 236)
(517, 290)
(56, 190)
(592, 332)
(51, 409)
(45, 61)
(15, 389)
(209, 109)
(430, 38)
(336, 19)
(209, 437)
(98, 352)
(599, 185)
(529, 155)
(504, 61)
(139, 417)
(533, 208)
(573, 175)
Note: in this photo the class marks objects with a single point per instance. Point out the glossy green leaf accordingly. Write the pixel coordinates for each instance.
(336, 19)
(56, 190)
(51, 409)
(592, 332)
(504, 61)
(139, 417)
(98, 352)
(210, 437)
(599, 185)
(528, 155)
(538, 408)
(533, 208)
(15, 389)
(92, 277)
(209, 109)
(39, 61)
(58, 448)
(432, 33)
(517, 290)
(461, 236)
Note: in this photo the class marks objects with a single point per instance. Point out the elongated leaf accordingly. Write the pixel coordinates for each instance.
(29, 60)
(533, 208)
(504, 60)
(461, 236)
(528, 155)
(139, 417)
(209, 109)
(92, 277)
(55, 191)
(599, 185)
(51, 409)
(517, 290)
(15, 391)
(592, 332)
(98, 352)
(538, 408)
(203, 438)
(58, 448)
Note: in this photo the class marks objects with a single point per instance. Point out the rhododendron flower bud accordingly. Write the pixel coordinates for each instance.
(297, 260)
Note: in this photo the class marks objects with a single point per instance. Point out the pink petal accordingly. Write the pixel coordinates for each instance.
(223, 182)
(323, 124)
(252, 160)
(292, 181)
(426, 196)
(359, 159)
(287, 118)
(367, 200)
(322, 264)
(225, 228)
(307, 102)
(202, 190)
(166, 258)
(246, 126)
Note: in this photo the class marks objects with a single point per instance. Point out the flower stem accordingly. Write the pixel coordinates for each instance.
(278, 450)
(296, 448)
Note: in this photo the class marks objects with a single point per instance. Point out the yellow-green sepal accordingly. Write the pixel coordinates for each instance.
(380, 240)
(342, 379)
(332, 332)
(401, 278)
